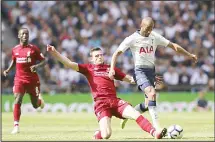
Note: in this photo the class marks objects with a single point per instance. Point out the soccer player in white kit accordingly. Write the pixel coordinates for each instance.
(143, 44)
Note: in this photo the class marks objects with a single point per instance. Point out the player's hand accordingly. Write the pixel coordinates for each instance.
(111, 74)
(33, 68)
(50, 48)
(194, 58)
(158, 79)
(132, 81)
(5, 72)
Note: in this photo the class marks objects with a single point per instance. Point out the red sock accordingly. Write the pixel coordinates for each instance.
(145, 125)
(98, 135)
(39, 102)
(17, 112)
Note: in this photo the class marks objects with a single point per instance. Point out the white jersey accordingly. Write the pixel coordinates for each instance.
(143, 48)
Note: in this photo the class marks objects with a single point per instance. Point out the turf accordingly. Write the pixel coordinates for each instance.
(81, 126)
(133, 98)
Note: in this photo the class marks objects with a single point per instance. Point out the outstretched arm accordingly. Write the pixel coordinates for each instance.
(129, 79)
(64, 60)
(181, 50)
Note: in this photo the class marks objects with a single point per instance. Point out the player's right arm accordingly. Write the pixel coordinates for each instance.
(64, 60)
(12, 64)
(122, 48)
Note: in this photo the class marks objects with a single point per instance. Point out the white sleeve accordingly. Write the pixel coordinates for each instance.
(125, 44)
(160, 40)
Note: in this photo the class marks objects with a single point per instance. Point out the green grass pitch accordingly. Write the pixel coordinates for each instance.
(81, 126)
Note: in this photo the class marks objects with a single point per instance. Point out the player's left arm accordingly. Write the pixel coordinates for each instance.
(181, 50)
(160, 40)
(40, 64)
(119, 75)
(129, 79)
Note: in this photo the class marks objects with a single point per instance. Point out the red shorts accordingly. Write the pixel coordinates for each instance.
(109, 107)
(30, 88)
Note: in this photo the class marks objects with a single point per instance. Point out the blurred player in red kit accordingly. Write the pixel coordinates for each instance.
(106, 103)
(24, 56)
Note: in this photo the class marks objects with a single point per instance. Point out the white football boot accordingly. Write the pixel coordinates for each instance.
(15, 130)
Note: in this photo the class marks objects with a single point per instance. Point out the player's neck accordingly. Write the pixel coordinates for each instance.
(23, 44)
(99, 64)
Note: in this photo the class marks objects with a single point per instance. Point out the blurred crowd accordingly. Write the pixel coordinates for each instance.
(77, 26)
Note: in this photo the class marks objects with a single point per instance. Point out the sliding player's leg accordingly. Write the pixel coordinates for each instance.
(141, 108)
(140, 78)
(130, 113)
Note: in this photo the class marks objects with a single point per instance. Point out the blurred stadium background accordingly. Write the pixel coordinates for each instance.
(77, 26)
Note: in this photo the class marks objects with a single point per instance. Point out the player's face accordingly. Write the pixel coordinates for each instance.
(97, 57)
(146, 29)
(23, 36)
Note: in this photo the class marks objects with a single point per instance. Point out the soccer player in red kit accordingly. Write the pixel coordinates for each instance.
(106, 103)
(24, 56)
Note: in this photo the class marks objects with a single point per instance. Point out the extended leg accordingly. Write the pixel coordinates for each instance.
(130, 113)
(17, 112)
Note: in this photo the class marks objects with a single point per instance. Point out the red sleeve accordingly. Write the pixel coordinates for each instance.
(13, 56)
(83, 68)
(119, 75)
(39, 55)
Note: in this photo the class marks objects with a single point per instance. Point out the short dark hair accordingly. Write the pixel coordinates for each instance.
(94, 49)
(23, 28)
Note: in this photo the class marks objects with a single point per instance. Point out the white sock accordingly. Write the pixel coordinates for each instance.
(16, 123)
(154, 116)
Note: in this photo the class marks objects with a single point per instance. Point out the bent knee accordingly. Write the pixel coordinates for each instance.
(106, 134)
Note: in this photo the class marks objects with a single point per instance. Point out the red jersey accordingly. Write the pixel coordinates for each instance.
(25, 57)
(97, 75)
